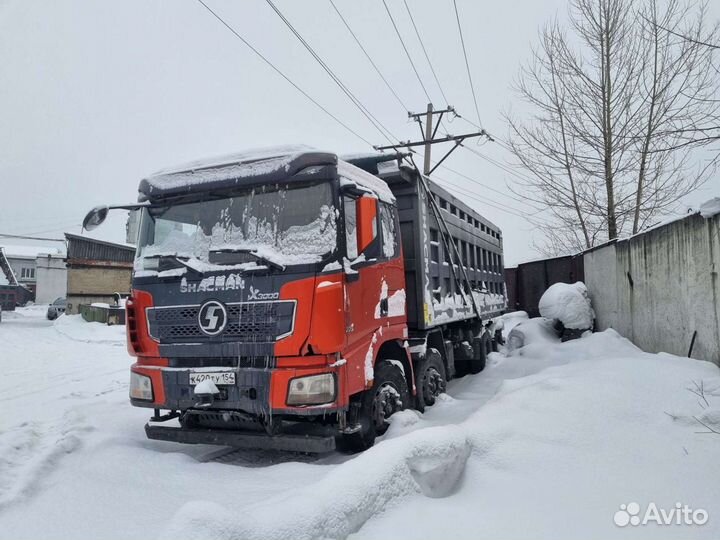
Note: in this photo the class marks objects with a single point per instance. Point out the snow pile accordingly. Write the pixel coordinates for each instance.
(564, 440)
(710, 208)
(537, 331)
(569, 304)
(76, 328)
(508, 321)
(560, 434)
(36, 311)
(428, 463)
(352, 175)
(206, 387)
(566, 446)
(252, 154)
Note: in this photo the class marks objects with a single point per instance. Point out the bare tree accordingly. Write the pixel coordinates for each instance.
(611, 98)
(709, 133)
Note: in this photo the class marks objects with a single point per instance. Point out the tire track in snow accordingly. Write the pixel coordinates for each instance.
(31, 450)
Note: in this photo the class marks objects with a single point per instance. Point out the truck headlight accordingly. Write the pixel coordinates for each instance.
(140, 387)
(312, 390)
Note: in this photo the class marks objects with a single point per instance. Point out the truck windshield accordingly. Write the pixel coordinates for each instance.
(282, 225)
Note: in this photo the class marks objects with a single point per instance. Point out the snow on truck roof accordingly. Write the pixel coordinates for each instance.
(267, 165)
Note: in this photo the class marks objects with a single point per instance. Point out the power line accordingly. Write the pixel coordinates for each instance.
(486, 200)
(465, 193)
(519, 176)
(59, 227)
(467, 64)
(498, 164)
(478, 182)
(367, 55)
(407, 53)
(364, 110)
(492, 137)
(427, 57)
(459, 192)
(21, 237)
(279, 72)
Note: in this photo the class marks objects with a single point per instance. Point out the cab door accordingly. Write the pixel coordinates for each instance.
(374, 281)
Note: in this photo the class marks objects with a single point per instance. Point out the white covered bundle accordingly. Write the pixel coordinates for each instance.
(569, 304)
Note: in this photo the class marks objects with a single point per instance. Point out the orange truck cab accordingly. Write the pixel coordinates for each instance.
(291, 299)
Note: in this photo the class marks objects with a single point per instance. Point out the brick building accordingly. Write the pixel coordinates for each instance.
(96, 270)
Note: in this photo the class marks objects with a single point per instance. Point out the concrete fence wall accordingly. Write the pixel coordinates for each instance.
(660, 287)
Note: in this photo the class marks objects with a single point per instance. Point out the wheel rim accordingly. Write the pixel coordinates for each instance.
(433, 384)
(386, 402)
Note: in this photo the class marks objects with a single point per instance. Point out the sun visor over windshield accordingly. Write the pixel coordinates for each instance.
(235, 173)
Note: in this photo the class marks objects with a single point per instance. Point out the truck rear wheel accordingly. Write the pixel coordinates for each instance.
(388, 395)
(432, 379)
(480, 347)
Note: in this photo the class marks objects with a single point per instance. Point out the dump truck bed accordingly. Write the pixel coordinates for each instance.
(433, 287)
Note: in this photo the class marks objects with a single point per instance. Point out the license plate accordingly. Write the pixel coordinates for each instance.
(221, 377)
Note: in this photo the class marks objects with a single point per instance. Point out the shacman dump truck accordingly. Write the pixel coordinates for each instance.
(295, 300)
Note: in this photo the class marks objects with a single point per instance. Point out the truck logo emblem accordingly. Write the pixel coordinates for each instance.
(212, 317)
(255, 294)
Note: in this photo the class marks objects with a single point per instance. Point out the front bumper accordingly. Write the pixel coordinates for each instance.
(315, 444)
(261, 392)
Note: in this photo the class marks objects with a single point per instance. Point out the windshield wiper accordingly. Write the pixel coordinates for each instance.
(177, 259)
(253, 253)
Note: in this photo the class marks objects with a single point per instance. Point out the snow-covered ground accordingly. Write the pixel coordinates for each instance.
(547, 442)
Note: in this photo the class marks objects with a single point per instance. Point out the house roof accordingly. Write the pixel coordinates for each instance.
(31, 252)
(86, 248)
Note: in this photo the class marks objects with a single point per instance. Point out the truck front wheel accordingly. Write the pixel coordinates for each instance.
(388, 395)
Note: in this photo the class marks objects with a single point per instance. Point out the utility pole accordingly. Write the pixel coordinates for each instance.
(428, 138)
(428, 131)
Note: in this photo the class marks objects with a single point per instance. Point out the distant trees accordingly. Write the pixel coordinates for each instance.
(620, 100)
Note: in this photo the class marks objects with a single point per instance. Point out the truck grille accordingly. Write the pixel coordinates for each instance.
(249, 322)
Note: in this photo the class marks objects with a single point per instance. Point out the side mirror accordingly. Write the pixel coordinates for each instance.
(95, 217)
(366, 209)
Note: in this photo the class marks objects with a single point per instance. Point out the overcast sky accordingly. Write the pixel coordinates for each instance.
(96, 95)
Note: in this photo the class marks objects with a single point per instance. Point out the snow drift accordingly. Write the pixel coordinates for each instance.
(565, 440)
(535, 331)
(74, 327)
(545, 443)
(710, 208)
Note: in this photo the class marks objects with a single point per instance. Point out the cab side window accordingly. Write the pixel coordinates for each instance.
(388, 226)
(350, 227)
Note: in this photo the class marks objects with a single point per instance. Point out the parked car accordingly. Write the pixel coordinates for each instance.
(56, 309)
